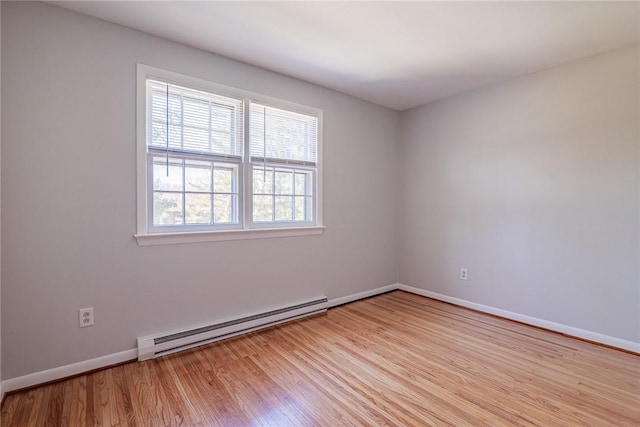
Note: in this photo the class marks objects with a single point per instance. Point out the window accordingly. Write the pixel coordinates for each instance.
(213, 159)
(194, 152)
(283, 147)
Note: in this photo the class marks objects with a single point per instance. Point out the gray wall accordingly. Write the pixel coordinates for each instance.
(69, 206)
(533, 185)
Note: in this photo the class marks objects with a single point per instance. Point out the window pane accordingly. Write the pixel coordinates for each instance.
(262, 208)
(284, 182)
(167, 179)
(167, 209)
(158, 134)
(175, 137)
(175, 108)
(302, 183)
(221, 142)
(262, 180)
(223, 180)
(221, 118)
(197, 176)
(196, 139)
(222, 129)
(301, 210)
(223, 208)
(284, 208)
(159, 104)
(198, 208)
(196, 113)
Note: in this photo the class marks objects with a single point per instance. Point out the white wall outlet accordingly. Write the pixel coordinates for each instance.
(463, 274)
(85, 317)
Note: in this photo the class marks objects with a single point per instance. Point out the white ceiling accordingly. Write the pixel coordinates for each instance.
(396, 54)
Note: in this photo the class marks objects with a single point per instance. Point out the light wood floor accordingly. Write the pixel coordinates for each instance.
(396, 359)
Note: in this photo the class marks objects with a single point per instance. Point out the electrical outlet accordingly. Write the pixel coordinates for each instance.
(85, 317)
(463, 274)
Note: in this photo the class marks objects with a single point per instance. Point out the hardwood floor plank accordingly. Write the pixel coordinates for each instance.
(498, 362)
(122, 400)
(39, 414)
(393, 360)
(54, 409)
(395, 371)
(337, 386)
(66, 403)
(78, 401)
(206, 391)
(180, 413)
(308, 394)
(11, 410)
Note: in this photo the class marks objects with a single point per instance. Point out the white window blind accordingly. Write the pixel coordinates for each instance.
(283, 136)
(188, 120)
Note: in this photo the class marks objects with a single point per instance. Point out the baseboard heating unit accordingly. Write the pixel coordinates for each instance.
(171, 342)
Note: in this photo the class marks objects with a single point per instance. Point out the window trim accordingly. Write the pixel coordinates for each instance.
(225, 235)
(247, 228)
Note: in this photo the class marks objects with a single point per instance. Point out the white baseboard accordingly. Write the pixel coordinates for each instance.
(556, 327)
(361, 295)
(53, 374)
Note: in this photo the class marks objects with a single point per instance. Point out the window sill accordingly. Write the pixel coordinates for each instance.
(220, 236)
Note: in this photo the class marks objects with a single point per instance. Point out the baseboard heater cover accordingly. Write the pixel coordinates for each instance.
(171, 342)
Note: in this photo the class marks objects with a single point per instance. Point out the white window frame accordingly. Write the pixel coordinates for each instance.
(246, 228)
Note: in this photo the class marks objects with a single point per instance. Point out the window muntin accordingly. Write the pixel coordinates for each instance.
(189, 192)
(204, 175)
(282, 194)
